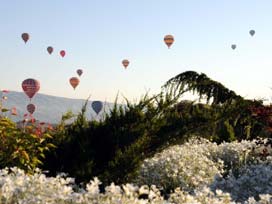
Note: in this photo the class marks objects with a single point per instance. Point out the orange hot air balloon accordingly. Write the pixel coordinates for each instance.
(74, 81)
(125, 63)
(169, 39)
(50, 50)
(31, 108)
(30, 87)
(62, 53)
(79, 72)
(25, 37)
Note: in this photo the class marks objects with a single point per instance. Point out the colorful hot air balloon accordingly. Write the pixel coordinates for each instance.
(30, 87)
(97, 106)
(50, 50)
(25, 37)
(31, 108)
(62, 53)
(169, 39)
(79, 72)
(74, 81)
(125, 63)
(233, 46)
(252, 32)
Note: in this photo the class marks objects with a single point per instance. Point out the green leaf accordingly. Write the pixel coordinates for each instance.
(25, 154)
(4, 110)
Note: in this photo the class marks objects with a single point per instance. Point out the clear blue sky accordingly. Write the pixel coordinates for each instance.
(98, 34)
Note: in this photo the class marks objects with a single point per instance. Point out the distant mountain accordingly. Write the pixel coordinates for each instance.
(50, 108)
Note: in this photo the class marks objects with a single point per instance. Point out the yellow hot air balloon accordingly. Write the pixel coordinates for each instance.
(169, 39)
(125, 63)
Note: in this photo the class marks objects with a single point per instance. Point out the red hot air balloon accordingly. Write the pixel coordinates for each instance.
(25, 37)
(79, 72)
(50, 50)
(125, 63)
(31, 108)
(74, 81)
(62, 53)
(30, 87)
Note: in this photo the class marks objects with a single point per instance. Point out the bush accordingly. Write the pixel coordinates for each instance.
(25, 147)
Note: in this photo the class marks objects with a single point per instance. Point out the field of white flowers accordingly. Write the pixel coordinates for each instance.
(196, 172)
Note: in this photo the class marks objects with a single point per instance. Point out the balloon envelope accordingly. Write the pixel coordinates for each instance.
(252, 32)
(79, 72)
(50, 50)
(31, 108)
(13, 111)
(233, 46)
(62, 53)
(125, 63)
(25, 37)
(74, 81)
(30, 87)
(97, 106)
(169, 39)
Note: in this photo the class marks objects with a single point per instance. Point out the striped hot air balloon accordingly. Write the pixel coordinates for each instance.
(31, 87)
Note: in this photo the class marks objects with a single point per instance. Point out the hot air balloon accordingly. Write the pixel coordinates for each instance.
(30, 87)
(50, 50)
(125, 63)
(14, 111)
(62, 53)
(31, 108)
(97, 106)
(74, 81)
(25, 37)
(169, 39)
(233, 46)
(252, 32)
(79, 72)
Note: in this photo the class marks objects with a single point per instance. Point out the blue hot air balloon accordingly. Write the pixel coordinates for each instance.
(97, 106)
